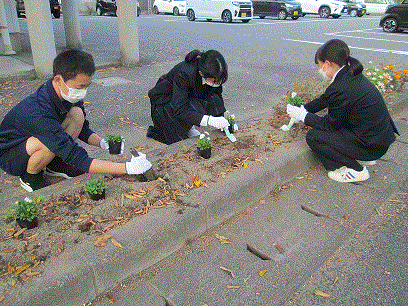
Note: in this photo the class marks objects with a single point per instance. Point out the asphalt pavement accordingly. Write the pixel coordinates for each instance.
(118, 102)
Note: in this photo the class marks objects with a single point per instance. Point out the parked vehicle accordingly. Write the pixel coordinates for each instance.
(395, 17)
(109, 7)
(377, 6)
(55, 8)
(277, 8)
(355, 8)
(324, 8)
(175, 7)
(226, 10)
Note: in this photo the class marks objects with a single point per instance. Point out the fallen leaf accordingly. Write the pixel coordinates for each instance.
(132, 196)
(347, 216)
(111, 298)
(78, 181)
(21, 269)
(115, 243)
(233, 287)
(8, 182)
(197, 181)
(33, 257)
(101, 241)
(262, 273)
(222, 239)
(8, 251)
(320, 293)
(19, 232)
(270, 220)
(228, 270)
(60, 248)
(13, 283)
(31, 274)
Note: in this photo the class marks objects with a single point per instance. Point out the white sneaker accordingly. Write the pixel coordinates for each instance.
(348, 175)
(367, 162)
(193, 132)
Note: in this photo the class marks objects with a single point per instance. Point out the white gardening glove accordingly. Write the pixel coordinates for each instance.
(105, 145)
(138, 165)
(235, 127)
(218, 122)
(297, 113)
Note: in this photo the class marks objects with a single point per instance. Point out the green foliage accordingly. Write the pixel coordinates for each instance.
(113, 138)
(276, 189)
(204, 141)
(230, 118)
(294, 99)
(95, 186)
(385, 77)
(41, 200)
(25, 210)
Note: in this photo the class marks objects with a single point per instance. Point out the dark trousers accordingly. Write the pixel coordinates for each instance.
(341, 148)
(168, 128)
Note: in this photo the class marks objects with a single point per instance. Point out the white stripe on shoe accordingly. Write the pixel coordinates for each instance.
(26, 186)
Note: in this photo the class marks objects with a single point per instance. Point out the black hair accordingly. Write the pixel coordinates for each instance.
(337, 51)
(72, 62)
(211, 63)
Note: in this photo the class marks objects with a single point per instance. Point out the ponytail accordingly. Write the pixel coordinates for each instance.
(193, 55)
(337, 51)
(211, 64)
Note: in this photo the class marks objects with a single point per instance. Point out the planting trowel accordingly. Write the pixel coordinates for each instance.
(229, 135)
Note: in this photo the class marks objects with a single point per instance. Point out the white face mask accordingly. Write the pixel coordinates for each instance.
(74, 95)
(323, 74)
(210, 84)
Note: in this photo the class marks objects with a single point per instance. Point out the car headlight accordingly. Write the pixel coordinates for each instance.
(236, 3)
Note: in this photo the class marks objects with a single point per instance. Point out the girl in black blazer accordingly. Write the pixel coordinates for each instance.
(358, 128)
(189, 95)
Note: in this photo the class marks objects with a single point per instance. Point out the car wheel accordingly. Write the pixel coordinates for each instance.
(261, 17)
(282, 15)
(98, 11)
(324, 12)
(138, 12)
(226, 16)
(245, 20)
(56, 14)
(360, 15)
(190, 15)
(176, 11)
(155, 10)
(336, 16)
(208, 19)
(390, 25)
(295, 17)
(353, 13)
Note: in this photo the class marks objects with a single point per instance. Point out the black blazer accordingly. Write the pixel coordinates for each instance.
(183, 85)
(354, 104)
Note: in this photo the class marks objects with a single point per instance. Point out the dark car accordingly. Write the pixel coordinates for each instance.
(355, 8)
(277, 8)
(54, 6)
(395, 17)
(109, 7)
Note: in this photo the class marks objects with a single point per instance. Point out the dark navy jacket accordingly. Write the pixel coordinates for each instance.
(354, 104)
(40, 115)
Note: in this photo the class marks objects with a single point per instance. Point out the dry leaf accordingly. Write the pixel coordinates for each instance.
(279, 248)
(8, 251)
(233, 287)
(33, 257)
(19, 232)
(228, 270)
(78, 181)
(197, 181)
(21, 269)
(262, 273)
(115, 243)
(347, 216)
(101, 241)
(270, 220)
(13, 283)
(319, 293)
(132, 196)
(60, 248)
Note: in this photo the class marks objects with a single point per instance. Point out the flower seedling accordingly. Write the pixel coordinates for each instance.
(204, 141)
(95, 186)
(294, 99)
(230, 118)
(24, 210)
(115, 143)
(113, 138)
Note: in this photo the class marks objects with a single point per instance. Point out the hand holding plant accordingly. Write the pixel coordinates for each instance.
(294, 99)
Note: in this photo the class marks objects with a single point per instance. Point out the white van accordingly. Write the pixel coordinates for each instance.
(377, 6)
(226, 10)
(324, 8)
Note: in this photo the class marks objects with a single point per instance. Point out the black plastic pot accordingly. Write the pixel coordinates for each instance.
(97, 196)
(231, 129)
(206, 153)
(28, 224)
(114, 147)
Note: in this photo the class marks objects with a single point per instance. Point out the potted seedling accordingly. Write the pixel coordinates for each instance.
(96, 188)
(26, 213)
(115, 143)
(149, 174)
(231, 121)
(204, 145)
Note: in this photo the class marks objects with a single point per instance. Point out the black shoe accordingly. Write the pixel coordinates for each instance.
(31, 182)
(59, 168)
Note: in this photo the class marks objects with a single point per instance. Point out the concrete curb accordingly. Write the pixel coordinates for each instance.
(78, 277)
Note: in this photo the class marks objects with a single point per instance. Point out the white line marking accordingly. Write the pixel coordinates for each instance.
(358, 48)
(370, 38)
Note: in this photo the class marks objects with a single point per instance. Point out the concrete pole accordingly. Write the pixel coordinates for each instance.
(5, 36)
(128, 32)
(12, 24)
(41, 35)
(71, 24)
